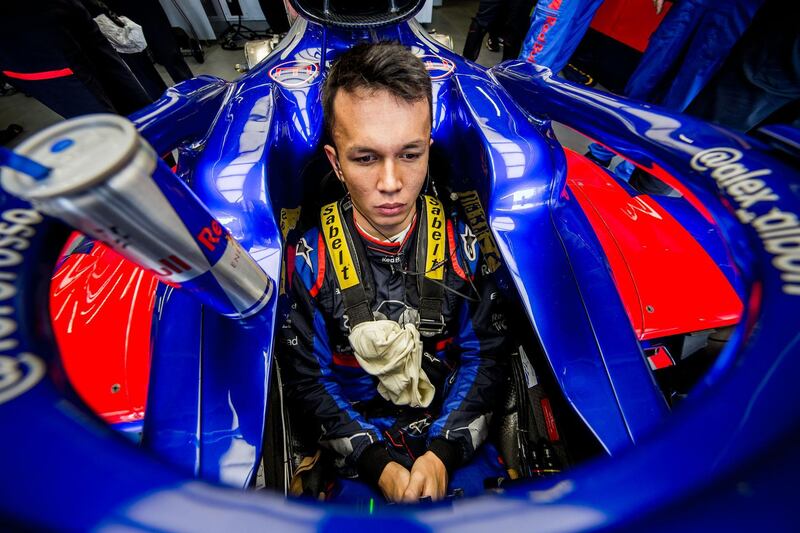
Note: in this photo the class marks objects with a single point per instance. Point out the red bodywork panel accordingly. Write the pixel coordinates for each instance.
(101, 306)
(668, 282)
(630, 22)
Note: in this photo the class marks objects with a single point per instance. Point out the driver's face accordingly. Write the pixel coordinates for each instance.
(383, 144)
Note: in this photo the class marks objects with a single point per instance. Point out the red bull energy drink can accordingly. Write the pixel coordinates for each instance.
(105, 180)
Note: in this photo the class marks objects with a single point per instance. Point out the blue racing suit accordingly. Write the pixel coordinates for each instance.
(687, 48)
(683, 54)
(334, 396)
(556, 30)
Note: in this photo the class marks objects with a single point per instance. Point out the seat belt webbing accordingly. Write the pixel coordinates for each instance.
(345, 263)
(431, 293)
(431, 263)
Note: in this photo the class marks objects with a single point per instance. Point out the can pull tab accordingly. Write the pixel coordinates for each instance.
(20, 163)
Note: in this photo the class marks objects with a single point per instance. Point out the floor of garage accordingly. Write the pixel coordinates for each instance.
(453, 18)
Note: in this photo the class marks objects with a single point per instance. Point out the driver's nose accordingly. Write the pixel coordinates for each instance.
(390, 181)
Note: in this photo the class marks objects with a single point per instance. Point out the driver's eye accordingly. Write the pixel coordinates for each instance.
(365, 159)
(410, 156)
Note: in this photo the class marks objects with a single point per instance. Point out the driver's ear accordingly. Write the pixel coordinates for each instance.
(330, 152)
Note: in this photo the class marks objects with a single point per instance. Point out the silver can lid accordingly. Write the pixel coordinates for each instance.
(81, 152)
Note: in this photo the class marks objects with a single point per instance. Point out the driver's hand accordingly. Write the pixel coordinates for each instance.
(428, 478)
(393, 481)
(659, 5)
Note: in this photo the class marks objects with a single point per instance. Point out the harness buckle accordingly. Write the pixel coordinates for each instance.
(428, 327)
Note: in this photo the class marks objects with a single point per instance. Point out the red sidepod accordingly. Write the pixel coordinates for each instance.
(668, 283)
(101, 307)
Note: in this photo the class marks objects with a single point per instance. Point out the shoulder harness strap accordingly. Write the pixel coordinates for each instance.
(431, 263)
(346, 265)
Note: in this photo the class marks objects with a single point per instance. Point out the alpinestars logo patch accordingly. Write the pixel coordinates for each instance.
(469, 244)
(303, 250)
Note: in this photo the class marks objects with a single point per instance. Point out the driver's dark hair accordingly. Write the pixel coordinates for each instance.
(386, 65)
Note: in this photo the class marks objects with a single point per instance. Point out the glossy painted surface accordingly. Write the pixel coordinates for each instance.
(694, 461)
(188, 108)
(172, 425)
(102, 307)
(562, 278)
(675, 148)
(651, 254)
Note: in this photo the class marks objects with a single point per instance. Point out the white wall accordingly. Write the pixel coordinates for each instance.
(194, 12)
(426, 13)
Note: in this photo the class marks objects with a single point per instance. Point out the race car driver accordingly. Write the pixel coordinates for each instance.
(392, 340)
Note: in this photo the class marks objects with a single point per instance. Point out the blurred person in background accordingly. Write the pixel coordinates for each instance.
(683, 55)
(127, 38)
(556, 29)
(158, 33)
(53, 51)
(687, 49)
(506, 22)
(759, 82)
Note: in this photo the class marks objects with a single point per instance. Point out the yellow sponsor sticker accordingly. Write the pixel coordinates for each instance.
(476, 218)
(288, 221)
(434, 254)
(335, 240)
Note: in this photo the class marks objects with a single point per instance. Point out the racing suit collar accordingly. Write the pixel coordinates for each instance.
(390, 248)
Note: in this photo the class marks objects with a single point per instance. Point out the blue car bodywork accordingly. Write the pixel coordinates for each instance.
(251, 151)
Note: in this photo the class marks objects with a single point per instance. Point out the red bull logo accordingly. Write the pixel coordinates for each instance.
(541, 38)
(210, 236)
(549, 22)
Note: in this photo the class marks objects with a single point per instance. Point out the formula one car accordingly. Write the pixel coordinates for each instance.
(656, 334)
